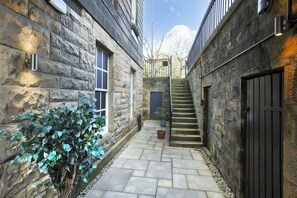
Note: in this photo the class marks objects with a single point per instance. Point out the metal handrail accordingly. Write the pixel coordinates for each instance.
(170, 99)
(215, 13)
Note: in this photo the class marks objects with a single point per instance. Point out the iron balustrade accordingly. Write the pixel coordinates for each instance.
(217, 9)
(157, 68)
(170, 111)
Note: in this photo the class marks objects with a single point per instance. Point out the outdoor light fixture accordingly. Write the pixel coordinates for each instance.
(32, 61)
(165, 63)
(278, 25)
(281, 24)
(264, 6)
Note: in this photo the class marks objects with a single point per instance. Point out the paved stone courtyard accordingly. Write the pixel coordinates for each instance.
(149, 168)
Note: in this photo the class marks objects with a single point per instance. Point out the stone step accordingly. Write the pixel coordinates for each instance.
(181, 98)
(184, 119)
(189, 144)
(174, 105)
(186, 137)
(182, 94)
(183, 114)
(184, 131)
(181, 90)
(182, 101)
(180, 85)
(184, 125)
(183, 110)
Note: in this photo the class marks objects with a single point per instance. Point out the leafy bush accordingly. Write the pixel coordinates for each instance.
(161, 113)
(64, 142)
(135, 29)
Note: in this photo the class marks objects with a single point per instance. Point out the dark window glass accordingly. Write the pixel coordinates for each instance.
(97, 96)
(99, 79)
(103, 100)
(103, 113)
(99, 58)
(104, 80)
(105, 61)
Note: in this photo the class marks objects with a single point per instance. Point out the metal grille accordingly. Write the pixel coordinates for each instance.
(157, 68)
(75, 6)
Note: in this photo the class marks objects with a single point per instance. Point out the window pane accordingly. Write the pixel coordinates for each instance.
(97, 96)
(99, 79)
(105, 61)
(99, 58)
(103, 100)
(103, 121)
(104, 80)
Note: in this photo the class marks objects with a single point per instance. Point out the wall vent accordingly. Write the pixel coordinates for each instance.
(75, 6)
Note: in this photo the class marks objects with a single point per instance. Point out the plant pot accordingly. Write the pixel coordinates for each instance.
(162, 123)
(161, 134)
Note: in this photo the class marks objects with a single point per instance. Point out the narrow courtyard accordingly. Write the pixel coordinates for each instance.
(148, 167)
(89, 88)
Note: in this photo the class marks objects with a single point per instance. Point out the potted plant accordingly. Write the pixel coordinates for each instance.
(161, 114)
(63, 142)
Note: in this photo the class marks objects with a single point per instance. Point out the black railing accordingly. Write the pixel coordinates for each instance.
(157, 68)
(170, 100)
(214, 15)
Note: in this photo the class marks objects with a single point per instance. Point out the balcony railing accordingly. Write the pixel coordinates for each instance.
(213, 18)
(157, 68)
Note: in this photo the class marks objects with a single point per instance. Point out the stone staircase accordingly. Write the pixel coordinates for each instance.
(185, 130)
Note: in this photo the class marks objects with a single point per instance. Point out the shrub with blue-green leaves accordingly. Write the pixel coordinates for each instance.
(64, 142)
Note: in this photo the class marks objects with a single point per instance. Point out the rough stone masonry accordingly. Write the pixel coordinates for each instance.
(66, 48)
(226, 133)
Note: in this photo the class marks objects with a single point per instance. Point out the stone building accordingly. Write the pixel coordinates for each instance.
(88, 47)
(244, 83)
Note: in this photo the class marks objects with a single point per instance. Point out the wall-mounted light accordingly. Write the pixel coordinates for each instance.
(264, 6)
(32, 61)
(278, 25)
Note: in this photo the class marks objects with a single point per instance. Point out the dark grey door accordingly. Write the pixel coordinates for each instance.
(155, 102)
(264, 136)
(207, 117)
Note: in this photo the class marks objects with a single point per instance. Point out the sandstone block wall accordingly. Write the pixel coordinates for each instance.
(157, 84)
(66, 49)
(226, 135)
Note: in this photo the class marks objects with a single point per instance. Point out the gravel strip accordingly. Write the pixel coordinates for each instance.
(216, 175)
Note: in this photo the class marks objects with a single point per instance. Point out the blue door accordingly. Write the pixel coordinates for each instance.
(155, 102)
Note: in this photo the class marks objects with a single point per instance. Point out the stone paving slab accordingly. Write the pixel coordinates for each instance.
(140, 185)
(114, 179)
(149, 168)
(160, 170)
(179, 193)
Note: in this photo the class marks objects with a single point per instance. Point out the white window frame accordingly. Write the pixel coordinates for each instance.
(105, 128)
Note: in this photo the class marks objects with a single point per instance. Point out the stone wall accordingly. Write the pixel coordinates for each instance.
(243, 29)
(65, 45)
(157, 84)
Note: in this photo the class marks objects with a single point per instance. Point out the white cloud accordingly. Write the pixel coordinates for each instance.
(178, 38)
(171, 8)
(178, 35)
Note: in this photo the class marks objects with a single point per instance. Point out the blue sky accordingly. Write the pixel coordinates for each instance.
(169, 13)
